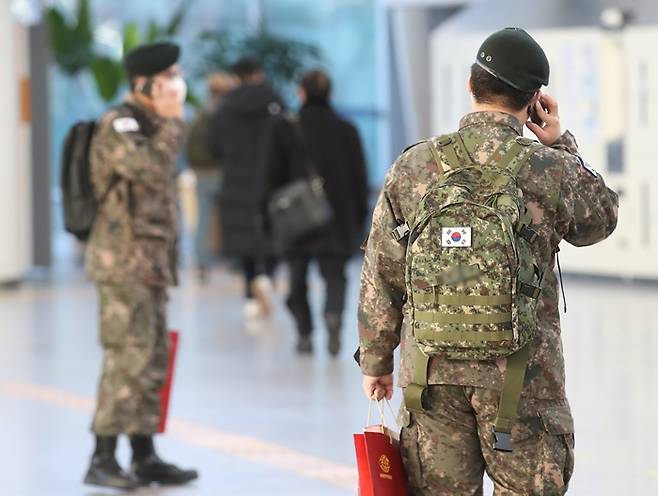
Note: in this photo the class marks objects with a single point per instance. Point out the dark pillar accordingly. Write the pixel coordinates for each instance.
(41, 164)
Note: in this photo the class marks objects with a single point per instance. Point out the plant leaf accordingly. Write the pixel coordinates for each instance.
(130, 36)
(71, 52)
(154, 31)
(178, 18)
(108, 75)
(193, 99)
(283, 59)
(83, 29)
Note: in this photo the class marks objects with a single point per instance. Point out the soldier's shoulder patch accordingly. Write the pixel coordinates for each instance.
(125, 125)
(587, 167)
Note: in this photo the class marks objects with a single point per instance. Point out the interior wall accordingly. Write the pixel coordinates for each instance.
(15, 175)
(605, 82)
(410, 24)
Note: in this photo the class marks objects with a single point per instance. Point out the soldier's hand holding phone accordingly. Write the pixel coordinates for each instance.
(544, 120)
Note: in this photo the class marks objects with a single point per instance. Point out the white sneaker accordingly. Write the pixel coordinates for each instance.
(252, 309)
(261, 287)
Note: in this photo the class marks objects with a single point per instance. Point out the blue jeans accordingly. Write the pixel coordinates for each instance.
(208, 187)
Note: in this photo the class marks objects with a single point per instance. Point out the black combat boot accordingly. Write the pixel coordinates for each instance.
(149, 468)
(333, 327)
(105, 471)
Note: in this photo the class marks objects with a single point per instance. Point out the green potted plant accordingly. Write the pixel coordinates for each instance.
(75, 52)
(283, 59)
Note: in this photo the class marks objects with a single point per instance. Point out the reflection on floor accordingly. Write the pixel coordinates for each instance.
(256, 419)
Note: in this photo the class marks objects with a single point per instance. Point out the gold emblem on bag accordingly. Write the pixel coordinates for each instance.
(384, 464)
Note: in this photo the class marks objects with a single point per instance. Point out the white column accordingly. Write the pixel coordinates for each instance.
(410, 42)
(15, 215)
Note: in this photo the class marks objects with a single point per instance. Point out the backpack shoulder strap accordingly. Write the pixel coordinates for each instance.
(310, 170)
(513, 154)
(450, 149)
(414, 392)
(508, 405)
(113, 182)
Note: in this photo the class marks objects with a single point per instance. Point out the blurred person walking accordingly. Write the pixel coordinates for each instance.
(333, 147)
(131, 257)
(237, 136)
(459, 266)
(207, 170)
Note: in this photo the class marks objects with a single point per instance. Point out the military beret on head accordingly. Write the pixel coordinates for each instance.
(149, 60)
(514, 57)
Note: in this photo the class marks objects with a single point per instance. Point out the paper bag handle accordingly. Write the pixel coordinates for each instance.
(382, 415)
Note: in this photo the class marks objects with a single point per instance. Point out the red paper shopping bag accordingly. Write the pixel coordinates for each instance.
(165, 392)
(378, 459)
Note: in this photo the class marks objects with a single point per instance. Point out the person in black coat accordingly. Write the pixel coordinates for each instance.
(334, 148)
(237, 135)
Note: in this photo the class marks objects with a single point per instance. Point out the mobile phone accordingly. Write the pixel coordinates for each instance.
(147, 88)
(532, 113)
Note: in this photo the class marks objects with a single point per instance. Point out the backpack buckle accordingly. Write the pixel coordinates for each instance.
(400, 232)
(529, 234)
(529, 290)
(444, 140)
(502, 441)
(523, 141)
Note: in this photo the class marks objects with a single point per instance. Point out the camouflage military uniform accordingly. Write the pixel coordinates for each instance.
(447, 448)
(131, 257)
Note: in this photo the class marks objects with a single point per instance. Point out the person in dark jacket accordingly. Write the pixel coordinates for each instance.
(333, 146)
(237, 135)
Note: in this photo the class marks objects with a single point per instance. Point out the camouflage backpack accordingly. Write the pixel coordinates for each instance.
(472, 279)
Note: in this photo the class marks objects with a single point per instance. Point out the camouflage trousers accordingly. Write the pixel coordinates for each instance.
(136, 354)
(447, 448)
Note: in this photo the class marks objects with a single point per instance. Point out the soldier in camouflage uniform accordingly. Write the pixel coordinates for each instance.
(131, 256)
(447, 447)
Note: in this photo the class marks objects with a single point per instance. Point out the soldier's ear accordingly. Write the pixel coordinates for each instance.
(469, 87)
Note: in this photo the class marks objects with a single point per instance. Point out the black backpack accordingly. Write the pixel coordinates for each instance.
(79, 201)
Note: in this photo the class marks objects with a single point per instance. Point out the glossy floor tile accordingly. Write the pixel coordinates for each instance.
(254, 418)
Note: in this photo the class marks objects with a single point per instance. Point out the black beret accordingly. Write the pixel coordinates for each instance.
(513, 56)
(149, 60)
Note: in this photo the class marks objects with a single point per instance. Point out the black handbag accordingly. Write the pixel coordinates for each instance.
(300, 208)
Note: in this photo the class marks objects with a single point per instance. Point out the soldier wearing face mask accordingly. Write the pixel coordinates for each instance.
(131, 256)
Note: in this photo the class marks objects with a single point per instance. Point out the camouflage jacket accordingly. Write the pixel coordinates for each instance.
(133, 159)
(567, 199)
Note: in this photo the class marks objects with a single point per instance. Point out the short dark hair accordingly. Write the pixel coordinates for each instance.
(317, 86)
(487, 88)
(245, 67)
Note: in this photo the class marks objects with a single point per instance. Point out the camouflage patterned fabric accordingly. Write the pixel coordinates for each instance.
(136, 354)
(446, 450)
(133, 239)
(475, 268)
(131, 255)
(566, 201)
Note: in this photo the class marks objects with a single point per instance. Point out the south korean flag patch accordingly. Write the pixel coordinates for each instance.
(125, 125)
(456, 237)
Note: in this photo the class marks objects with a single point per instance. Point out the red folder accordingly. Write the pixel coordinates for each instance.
(381, 472)
(165, 392)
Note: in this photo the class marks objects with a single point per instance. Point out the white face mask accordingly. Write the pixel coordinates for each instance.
(179, 86)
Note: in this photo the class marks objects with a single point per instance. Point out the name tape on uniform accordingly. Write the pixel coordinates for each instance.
(457, 237)
(125, 125)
